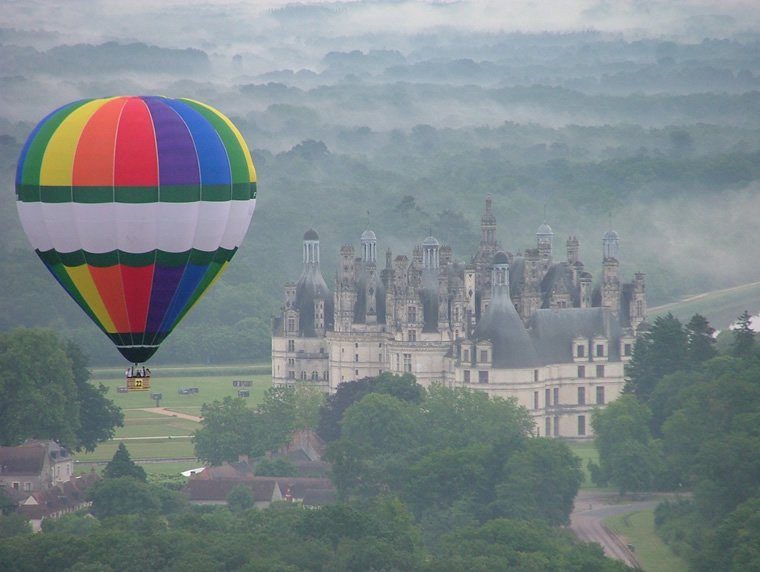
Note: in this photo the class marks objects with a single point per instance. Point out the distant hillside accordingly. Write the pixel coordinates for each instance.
(720, 307)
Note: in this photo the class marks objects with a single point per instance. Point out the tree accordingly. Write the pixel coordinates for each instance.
(98, 415)
(278, 467)
(661, 350)
(122, 465)
(14, 524)
(744, 336)
(240, 499)
(123, 495)
(229, 429)
(404, 387)
(629, 457)
(226, 431)
(308, 401)
(41, 373)
(541, 481)
(700, 339)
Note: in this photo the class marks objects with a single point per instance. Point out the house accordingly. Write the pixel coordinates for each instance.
(34, 466)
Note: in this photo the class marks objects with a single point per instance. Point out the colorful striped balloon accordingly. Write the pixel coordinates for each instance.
(136, 205)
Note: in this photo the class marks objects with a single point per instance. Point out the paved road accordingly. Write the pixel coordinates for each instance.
(592, 507)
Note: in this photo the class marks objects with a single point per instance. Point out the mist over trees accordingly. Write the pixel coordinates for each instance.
(646, 119)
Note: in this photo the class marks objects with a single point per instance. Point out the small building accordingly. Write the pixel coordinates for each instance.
(34, 466)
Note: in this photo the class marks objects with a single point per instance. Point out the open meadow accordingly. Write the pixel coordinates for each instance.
(152, 438)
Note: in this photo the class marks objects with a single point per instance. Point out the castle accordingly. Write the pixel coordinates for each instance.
(518, 325)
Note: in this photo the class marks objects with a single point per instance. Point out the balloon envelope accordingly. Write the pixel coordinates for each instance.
(135, 205)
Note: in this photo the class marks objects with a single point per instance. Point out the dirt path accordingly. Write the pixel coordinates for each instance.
(170, 413)
(590, 510)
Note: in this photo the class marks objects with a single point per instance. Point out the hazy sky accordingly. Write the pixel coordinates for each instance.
(190, 22)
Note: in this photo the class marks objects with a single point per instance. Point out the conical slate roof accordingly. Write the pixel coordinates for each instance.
(502, 326)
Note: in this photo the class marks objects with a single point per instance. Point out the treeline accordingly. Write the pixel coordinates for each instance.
(690, 422)
(430, 480)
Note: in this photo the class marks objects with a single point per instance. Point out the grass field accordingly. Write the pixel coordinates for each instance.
(652, 553)
(211, 388)
(720, 307)
(587, 452)
(214, 383)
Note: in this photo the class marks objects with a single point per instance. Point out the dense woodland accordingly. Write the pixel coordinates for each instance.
(689, 422)
(658, 135)
(436, 479)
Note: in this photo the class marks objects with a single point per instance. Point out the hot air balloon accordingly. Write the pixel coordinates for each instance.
(135, 205)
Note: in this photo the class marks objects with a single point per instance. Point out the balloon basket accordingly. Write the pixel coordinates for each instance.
(141, 383)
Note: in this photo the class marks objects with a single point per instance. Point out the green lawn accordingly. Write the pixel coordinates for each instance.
(214, 383)
(720, 308)
(143, 449)
(211, 388)
(587, 452)
(652, 553)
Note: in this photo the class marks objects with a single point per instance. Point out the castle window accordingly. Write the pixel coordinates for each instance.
(408, 363)
(356, 372)
(380, 345)
(467, 376)
(291, 345)
(580, 351)
(325, 375)
(484, 355)
(303, 376)
(599, 350)
(600, 395)
(600, 371)
(356, 357)
(321, 350)
(379, 372)
(291, 361)
(356, 345)
(547, 399)
(627, 350)
(581, 425)
(581, 396)
(556, 396)
(483, 376)
(466, 355)
(548, 426)
(291, 324)
(535, 400)
(412, 335)
(291, 374)
(556, 426)
(581, 371)
(314, 375)
(535, 375)
(411, 314)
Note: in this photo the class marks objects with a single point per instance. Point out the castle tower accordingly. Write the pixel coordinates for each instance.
(544, 241)
(638, 306)
(573, 250)
(610, 271)
(369, 246)
(500, 275)
(430, 252)
(310, 248)
(585, 289)
(610, 244)
(488, 224)
(345, 292)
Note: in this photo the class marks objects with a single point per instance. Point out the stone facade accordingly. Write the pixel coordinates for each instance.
(521, 325)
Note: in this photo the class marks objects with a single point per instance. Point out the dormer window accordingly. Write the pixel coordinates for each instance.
(483, 356)
(599, 350)
(580, 351)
